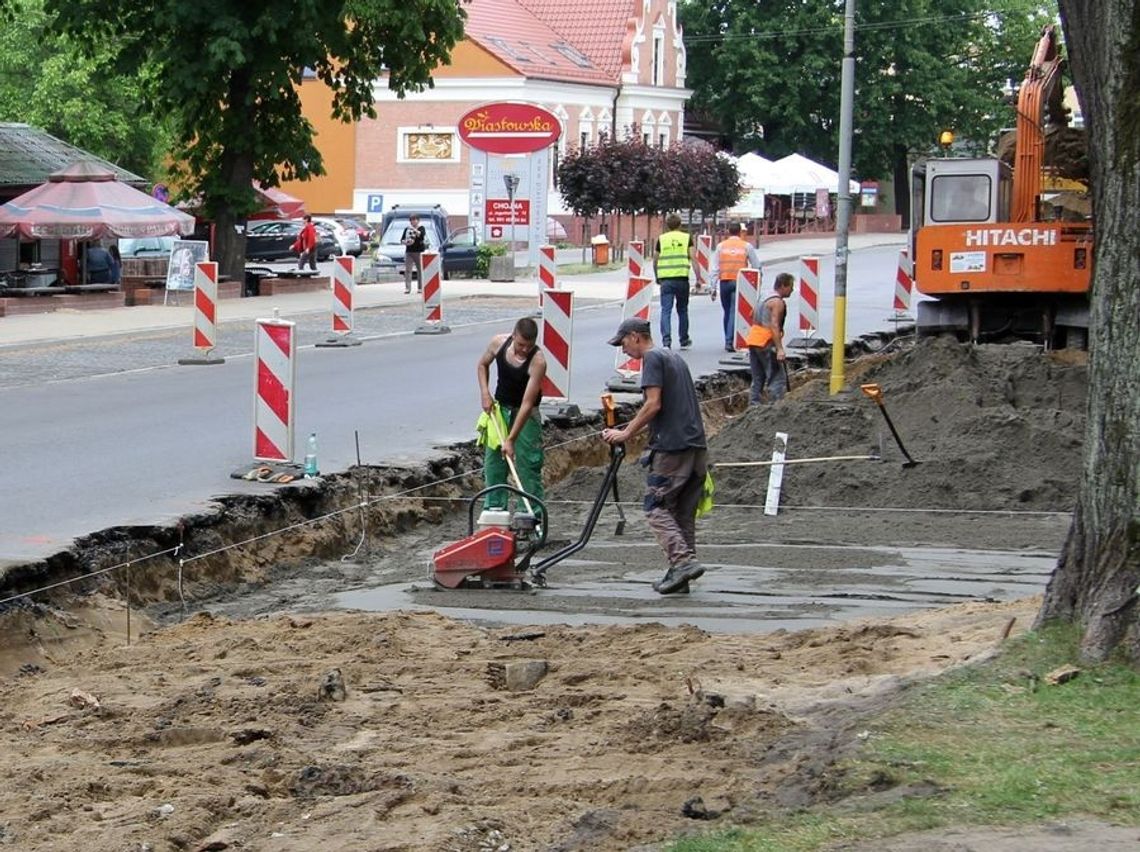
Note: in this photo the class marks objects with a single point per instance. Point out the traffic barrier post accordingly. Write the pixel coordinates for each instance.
(343, 295)
(556, 334)
(275, 364)
(432, 295)
(904, 283)
(809, 295)
(747, 296)
(635, 259)
(205, 314)
(704, 262)
(638, 303)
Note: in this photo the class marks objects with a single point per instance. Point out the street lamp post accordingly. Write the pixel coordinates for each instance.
(843, 213)
(512, 183)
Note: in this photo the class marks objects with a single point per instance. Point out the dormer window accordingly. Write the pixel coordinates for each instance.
(573, 54)
(509, 49)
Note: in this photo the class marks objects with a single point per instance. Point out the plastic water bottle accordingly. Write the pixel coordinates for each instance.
(311, 469)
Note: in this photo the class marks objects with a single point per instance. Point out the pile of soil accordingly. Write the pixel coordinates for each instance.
(418, 732)
(993, 428)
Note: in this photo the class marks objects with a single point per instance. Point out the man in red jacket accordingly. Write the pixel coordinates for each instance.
(307, 244)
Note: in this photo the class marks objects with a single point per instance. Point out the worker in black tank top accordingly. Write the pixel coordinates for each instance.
(521, 368)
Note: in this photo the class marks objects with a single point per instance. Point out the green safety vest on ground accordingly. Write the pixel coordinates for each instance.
(673, 262)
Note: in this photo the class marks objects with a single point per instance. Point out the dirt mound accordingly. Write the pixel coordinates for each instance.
(217, 734)
(993, 427)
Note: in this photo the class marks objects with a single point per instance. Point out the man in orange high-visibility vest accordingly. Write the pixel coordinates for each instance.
(766, 342)
(732, 255)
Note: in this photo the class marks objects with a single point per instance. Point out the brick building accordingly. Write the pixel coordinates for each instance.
(601, 66)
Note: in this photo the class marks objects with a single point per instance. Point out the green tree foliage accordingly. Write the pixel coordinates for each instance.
(225, 74)
(769, 74)
(73, 90)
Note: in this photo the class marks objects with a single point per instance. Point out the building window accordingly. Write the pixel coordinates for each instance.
(662, 140)
(658, 57)
(427, 145)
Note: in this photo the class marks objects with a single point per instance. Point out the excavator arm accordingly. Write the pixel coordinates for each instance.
(1041, 80)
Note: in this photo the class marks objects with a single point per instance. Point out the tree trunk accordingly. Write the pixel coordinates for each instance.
(900, 172)
(1097, 577)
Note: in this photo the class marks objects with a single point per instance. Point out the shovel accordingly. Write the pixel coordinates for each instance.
(497, 422)
(876, 394)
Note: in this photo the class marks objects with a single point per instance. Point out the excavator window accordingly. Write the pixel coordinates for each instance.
(960, 198)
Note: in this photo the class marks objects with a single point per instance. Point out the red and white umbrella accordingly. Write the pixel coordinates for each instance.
(85, 201)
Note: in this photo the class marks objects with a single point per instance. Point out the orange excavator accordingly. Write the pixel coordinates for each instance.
(996, 258)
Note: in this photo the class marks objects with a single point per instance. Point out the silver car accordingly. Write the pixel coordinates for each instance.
(347, 239)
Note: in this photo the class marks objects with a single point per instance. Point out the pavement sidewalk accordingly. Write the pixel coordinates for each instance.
(610, 284)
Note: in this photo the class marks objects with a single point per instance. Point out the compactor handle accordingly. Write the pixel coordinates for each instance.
(609, 412)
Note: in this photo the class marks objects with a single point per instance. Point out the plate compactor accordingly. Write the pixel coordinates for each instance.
(499, 549)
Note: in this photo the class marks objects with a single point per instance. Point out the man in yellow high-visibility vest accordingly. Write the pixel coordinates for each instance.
(673, 258)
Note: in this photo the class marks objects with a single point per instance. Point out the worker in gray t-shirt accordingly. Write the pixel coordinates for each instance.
(677, 453)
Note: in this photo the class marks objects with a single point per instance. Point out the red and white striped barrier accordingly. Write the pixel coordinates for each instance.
(635, 256)
(638, 301)
(433, 295)
(275, 362)
(344, 291)
(809, 294)
(205, 305)
(557, 331)
(904, 282)
(704, 261)
(547, 270)
(205, 314)
(747, 295)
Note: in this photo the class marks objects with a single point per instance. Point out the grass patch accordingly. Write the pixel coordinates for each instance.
(586, 268)
(996, 743)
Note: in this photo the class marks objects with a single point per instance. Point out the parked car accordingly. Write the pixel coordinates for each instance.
(347, 240)
(457, 247)
(273, 240)
(363, 229)
(146, 246)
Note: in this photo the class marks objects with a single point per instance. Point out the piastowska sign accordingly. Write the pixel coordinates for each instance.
(509, 128)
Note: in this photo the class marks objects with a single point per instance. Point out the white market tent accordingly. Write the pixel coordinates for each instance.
(755, 173)
(797, 174)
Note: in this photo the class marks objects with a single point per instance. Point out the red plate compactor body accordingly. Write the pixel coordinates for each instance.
(500, 553)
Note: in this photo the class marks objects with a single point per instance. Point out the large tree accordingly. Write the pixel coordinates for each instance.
(769, 74)
(1097, 580)
(72, 89)
(226, 75)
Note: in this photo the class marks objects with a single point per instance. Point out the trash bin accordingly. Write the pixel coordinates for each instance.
(601, 246)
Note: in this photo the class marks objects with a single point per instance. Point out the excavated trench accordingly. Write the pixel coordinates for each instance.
(996, 429)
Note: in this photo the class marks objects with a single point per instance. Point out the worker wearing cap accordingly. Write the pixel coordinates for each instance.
(521, 368)
(732, 255)
(676, 453)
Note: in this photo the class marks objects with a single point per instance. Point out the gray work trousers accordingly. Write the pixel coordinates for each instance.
(673, 488)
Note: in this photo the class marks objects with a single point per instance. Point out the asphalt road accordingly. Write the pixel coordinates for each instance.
(111, 431)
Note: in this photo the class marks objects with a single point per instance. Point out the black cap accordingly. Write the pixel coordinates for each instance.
(628, 326)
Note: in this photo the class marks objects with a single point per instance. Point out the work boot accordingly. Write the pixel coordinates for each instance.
(677, 577)
(686, 344)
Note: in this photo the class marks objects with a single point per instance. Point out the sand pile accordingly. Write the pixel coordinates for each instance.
(993, 427)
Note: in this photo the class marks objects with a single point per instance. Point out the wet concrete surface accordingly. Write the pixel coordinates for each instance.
(736, 596)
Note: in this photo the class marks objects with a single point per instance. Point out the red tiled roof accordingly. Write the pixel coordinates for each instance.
(575, 40)
(595, 27)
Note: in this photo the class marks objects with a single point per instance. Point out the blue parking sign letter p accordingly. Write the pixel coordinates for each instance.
(376, 203)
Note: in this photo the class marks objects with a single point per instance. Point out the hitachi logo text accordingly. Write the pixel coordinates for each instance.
(1010, 237)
